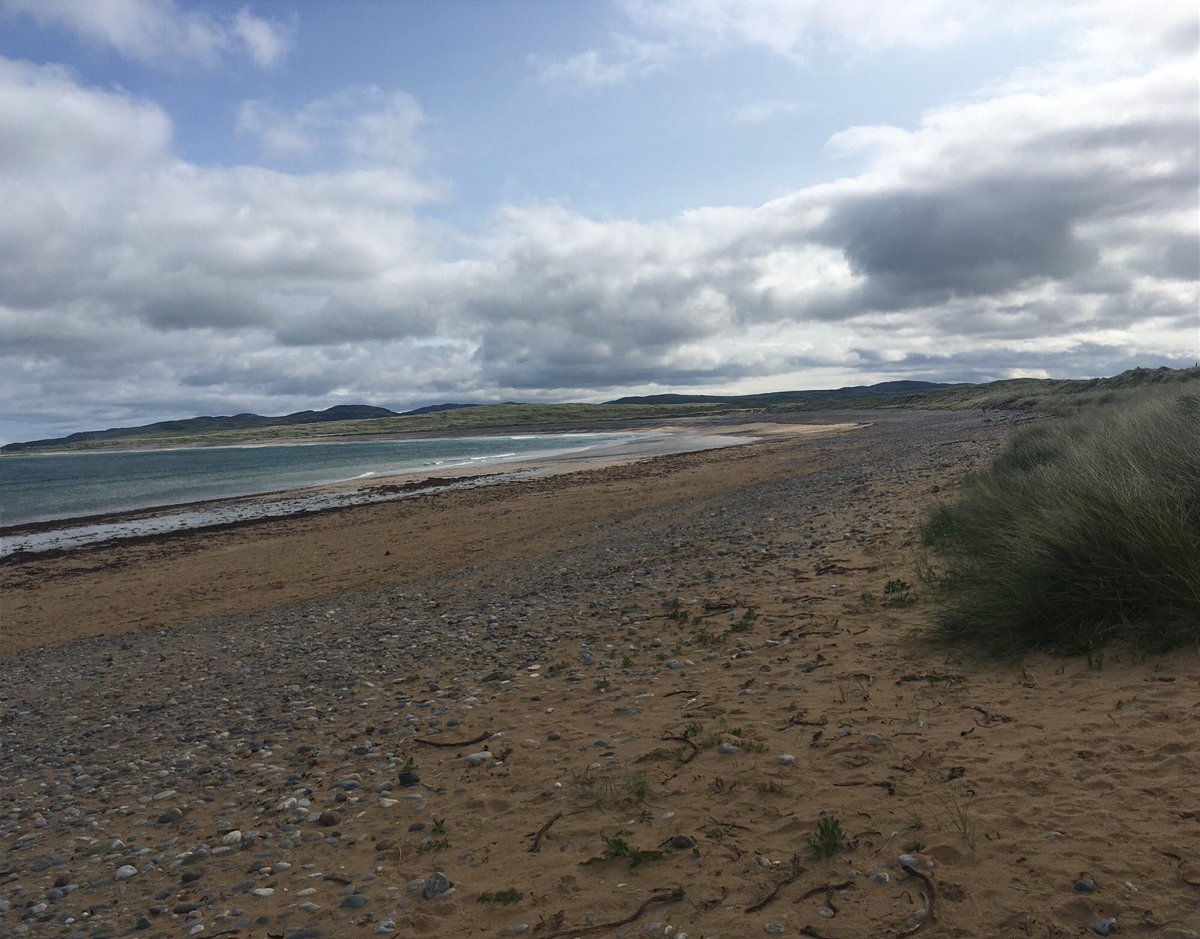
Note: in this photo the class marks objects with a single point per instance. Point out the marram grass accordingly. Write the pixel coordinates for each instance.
(1081, 532)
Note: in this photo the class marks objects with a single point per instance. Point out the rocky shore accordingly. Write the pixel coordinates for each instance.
(684, 697)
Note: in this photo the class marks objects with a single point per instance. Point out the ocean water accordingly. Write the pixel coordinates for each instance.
(42, 488)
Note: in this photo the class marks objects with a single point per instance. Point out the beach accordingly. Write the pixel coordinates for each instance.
(628, 697)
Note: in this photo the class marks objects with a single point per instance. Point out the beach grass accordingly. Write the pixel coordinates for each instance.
(1083, 531)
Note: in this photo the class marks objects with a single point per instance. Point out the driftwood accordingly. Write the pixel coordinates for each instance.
(927, 912)
(797, 870)
(666, 895)
(537, 835)
(452, 743)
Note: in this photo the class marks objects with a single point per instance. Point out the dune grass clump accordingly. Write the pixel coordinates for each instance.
(1081, 532)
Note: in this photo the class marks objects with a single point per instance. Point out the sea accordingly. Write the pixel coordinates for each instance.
(72, 488)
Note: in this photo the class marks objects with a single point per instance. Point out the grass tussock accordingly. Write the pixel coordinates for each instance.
(1081, 532)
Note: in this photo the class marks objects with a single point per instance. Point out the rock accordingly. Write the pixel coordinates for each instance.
(263, 891)
(329, 818)
(479, 759)
(786, 759)
(356, 901)
(683, 843)
(1085, 885)
(408, 777)
(1106, 927)
(125, 871)
(728, 749)
(436, 884)
(231, 837)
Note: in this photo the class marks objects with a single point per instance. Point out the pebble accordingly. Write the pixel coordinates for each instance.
(1085, 885)
(125, 871)
(1106, 927)
(436, 884)
(773, 929)
(479, 758)
(786, 759)
(356, 901)
(231, 837)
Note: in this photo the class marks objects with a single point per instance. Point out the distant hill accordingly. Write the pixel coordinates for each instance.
(881, 390)
(1047, 395)
(203, 425)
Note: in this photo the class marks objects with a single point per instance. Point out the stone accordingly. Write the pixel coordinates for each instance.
(435, 885)
(125, 871)
(356, 901)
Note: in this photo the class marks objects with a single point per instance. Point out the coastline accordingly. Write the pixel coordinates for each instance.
(299, 725)
(67, 533)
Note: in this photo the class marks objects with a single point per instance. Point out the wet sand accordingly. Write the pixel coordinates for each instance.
(292, 727)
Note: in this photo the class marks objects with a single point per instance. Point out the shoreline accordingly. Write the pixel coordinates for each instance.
(57, 535)
(438, 716)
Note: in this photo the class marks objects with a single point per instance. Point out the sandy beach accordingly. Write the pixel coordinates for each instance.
(616, 701)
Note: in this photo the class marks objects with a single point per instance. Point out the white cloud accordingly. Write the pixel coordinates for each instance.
(762, 112)
(1048, 223)
(659, 33)
(626, 60)
(266, 42)
(160, 33)
(362, 127)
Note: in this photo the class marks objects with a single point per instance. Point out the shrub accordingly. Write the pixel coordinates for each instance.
(1080, 532)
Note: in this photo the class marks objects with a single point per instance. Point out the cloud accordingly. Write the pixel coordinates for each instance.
(762, 112)
(362, 127)
(656, 34)
(625, 60)
(659, 33)
(160, 34)
(1048, 222)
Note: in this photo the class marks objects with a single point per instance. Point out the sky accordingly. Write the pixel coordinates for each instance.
(218, 207)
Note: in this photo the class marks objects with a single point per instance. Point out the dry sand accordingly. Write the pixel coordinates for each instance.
(265, 731)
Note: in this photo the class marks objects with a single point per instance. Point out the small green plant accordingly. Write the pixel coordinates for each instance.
(626, 662)
(829, 838)
(439, 826)
(603, 684)
(618, 848)
(959, 816)
(503, 897)
(746, 623)
(899, 593)
(621, 790)
(705, 638)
